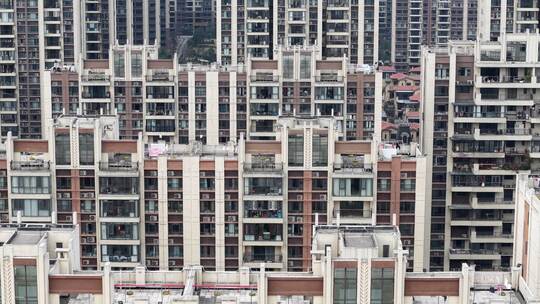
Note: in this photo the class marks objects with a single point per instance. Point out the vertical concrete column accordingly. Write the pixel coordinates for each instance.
(220, 212)
(163, 209)
(212, 108)
(191, 220)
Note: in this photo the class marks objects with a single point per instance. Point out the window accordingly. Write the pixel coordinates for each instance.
(305, 66)
(345, 286)
(384, 184)
(119, 231)
(296, 150)
(119, 64)
(86, 149)
(64, 206)
(136, 64)
(408, 185)
(176, 252)
(30, 184)
(26, 285)
(32, 207)
(288, 66)
(63, 152)
(382, 285)
(320, 150)
(353, 187)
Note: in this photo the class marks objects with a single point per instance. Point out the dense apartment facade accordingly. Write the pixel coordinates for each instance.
(242, 204)
(484, 94)
(254, 29)
(215, 104)
(350, 264)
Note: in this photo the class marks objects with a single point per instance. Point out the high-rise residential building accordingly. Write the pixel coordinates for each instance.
(243, 204)
(429, 22)
(195, 17)
(350, 264)
(480, 129)
(496, 18)
(337, 28)
(211, 104)
(34, 36)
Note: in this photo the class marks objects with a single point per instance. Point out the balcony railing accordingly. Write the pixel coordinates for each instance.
(262, 190)
(263, 167)
(160, 77)
(505, 79)
(119, 166)
(474, 251)
(263, 213)
(265, 236)
(264, 78)
(30, 165)
(270, 258)
(95, 77)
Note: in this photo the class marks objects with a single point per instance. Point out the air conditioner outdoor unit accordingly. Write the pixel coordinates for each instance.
(86, 262)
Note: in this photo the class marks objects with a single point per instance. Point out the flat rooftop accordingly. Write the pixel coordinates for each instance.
(358, 240)
(26, 237)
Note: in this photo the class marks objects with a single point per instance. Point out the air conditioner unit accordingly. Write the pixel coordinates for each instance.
(206, 196)
(92, 217)
(315, 174)
(153, 195)
(299, 197)
(404, 175)
(91, 239)
(83, 240)
(227, 196)
(172, 263)
(203, 174)
(156, 241)
(82, 173)
(69, 218)
(67, 195)
(406, 242)
(153, 218)
(58, 195)
(323, 197)
(171, 241)
(86, 262)
(178, 195)
(170, 173)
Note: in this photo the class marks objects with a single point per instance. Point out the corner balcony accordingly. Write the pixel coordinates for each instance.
(476, 221)
(477, 186)
(503, 134)
(493, 169)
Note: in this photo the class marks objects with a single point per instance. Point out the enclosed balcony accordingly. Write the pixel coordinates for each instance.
(120, 165)
(263, 232)
(119, 208)
(119, 231)
(120, 253)
(263, 186)
(119, 185)
(263, 209)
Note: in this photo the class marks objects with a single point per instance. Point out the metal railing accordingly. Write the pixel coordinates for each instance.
(119, 166)
(263, 167)
(30, 165)
(271, 258)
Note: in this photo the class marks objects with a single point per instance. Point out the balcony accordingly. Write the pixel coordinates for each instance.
(263, 258)
(356, 167)
(267, 167)
(264, 190)
(160, 77)
(264, 78)
(34, 165)
(503, 134)
(119, 166)
(267, 212)
(120, 253)
(474, 254)
(491, 238)
(506, 81)
(97, 77)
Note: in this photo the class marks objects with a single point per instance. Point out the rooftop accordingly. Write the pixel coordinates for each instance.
(359, 240)
(26, 238)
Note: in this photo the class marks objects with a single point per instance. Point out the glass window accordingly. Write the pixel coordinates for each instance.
(408, 185)
(288, 66)
(119, 64)
(32, 207)
(320, 150)
(382, 285)
(345, 285)
(25, 285)
(63, 152)
(296, 150)
(30, 184)
(305, 66)
(86, 148)
(136, 64)
(353, 187)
